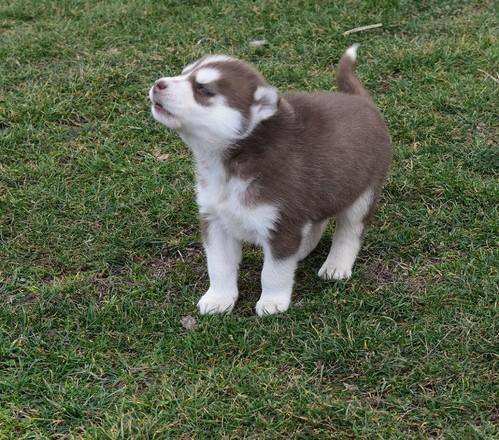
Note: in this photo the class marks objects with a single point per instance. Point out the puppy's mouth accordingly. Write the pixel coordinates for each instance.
(160, 109)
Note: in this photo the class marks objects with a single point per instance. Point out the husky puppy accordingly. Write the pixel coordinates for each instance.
(272, 169)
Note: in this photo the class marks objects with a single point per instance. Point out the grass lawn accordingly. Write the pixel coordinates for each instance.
(100, 253)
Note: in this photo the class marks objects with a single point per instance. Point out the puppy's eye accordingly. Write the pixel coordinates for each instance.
(204, 90)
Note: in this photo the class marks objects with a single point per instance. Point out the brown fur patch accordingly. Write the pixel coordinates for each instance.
(313, 159)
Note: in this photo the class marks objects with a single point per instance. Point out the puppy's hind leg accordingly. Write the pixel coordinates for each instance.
(347, 238)
(311, 235)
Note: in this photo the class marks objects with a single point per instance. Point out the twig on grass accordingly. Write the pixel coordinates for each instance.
(489, 75)
(258, 43)
(363, 28)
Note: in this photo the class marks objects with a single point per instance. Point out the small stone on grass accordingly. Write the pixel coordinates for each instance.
(188, 322)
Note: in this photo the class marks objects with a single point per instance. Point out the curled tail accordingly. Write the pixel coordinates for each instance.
(346, 81)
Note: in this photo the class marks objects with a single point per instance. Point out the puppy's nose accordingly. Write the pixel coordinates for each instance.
(160, 84)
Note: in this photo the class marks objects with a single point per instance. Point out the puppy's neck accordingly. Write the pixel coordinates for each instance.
(214, 154)
(210, 170)
(204, 143)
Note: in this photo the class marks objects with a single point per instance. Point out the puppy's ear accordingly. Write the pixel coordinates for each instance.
(266, 102)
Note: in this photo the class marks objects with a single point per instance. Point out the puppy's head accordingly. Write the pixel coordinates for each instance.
(217, 97)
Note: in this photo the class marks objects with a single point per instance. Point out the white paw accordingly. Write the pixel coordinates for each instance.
(213, 302)
(272, 304)
(332, 271)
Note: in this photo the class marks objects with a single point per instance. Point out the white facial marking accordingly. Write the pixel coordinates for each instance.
(211, 127)
(208, 60)
(174, 100)
(206, 75)
(346, 239)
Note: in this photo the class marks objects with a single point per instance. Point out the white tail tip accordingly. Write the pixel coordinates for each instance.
(352, 51)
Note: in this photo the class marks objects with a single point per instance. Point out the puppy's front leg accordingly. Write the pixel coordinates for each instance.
(277, 284)
(223, 253)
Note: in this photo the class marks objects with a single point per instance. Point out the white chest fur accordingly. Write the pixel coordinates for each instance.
(224, 199)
